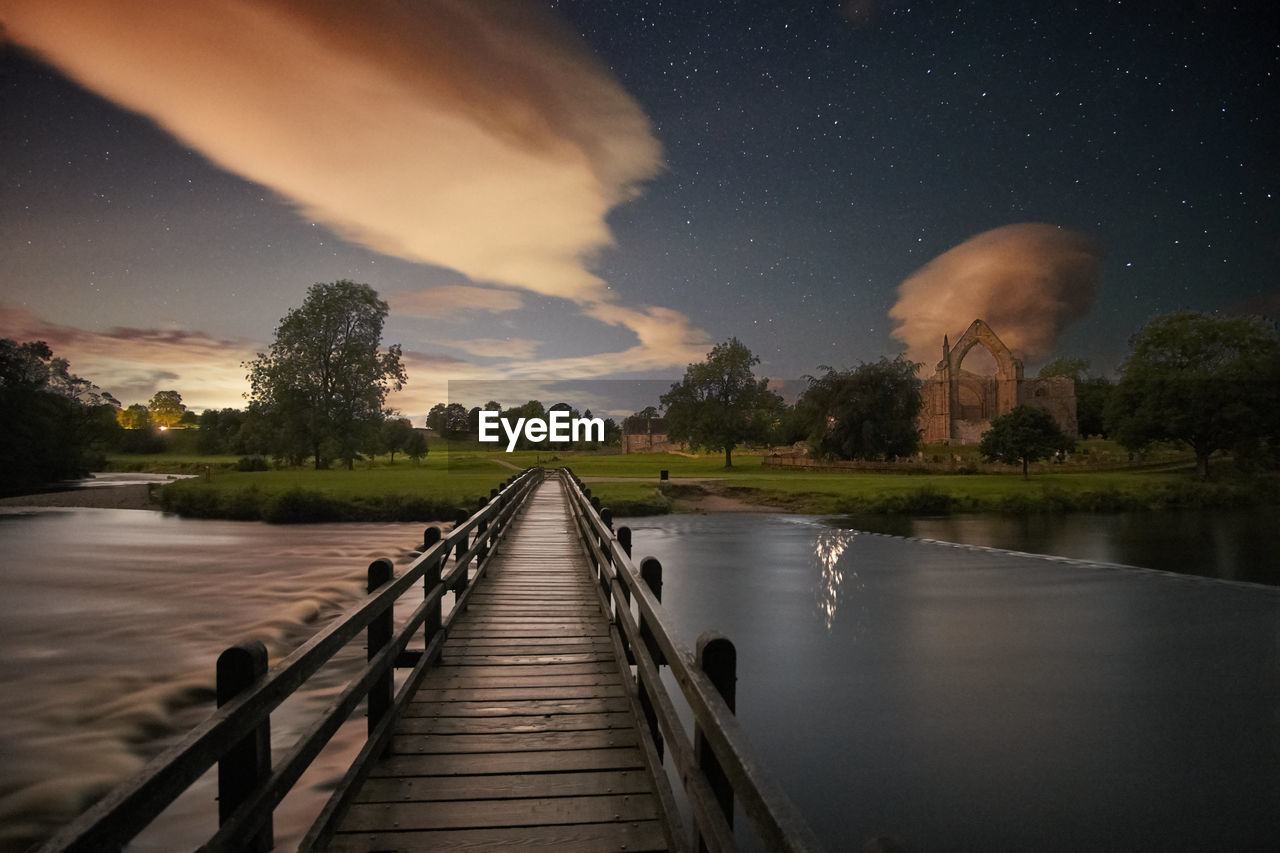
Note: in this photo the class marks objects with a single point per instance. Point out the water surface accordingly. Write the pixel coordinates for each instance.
(975, 700)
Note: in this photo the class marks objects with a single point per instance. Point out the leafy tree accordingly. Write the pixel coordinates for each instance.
(416, 447)
(136, 416)
(612, 433)
(719, 404)
(166, 409)
(52, 423)
(435, 418)
(220, 431)
(647, 412)
(453, 424)
(1209, 381)
(325, 380)
(868, 412)
(1024, 435)
(396, 433)
(1093, 393)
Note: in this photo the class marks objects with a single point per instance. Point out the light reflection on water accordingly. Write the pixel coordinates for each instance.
(112, 621)
(977, 700)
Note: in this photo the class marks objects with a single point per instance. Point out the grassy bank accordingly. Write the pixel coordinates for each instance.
(431, 491)
(629, 484)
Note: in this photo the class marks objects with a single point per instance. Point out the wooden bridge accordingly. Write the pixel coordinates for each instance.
(533, 716)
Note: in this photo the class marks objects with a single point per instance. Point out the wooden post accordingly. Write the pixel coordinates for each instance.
(651, 574)
(434, 619)
(460, 583)
(595, 504)
(716, 657)
(606, 515)
(382, 691)
(624, 539)
(248, 763)
(481, 529)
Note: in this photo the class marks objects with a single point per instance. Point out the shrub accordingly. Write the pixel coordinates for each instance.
(253, 463)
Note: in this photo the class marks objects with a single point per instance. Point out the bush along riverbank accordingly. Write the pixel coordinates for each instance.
(904, 495)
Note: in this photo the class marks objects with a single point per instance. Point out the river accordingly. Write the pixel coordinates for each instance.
(966, 699)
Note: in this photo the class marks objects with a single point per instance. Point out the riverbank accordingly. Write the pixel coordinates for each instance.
(135, 496)
(630, 485)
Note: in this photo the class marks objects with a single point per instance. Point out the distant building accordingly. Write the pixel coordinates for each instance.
(958, 406)
(647, 435)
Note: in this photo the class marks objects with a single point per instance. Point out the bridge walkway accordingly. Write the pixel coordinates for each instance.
(524, 736)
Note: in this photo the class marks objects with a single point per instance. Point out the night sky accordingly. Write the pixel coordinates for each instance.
(611, 194)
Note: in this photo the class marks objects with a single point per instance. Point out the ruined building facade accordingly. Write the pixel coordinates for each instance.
(959, 406)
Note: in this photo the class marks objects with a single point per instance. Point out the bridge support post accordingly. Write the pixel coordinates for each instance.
(717, 657)
(651, 574)
(248, 763)
(624, 539)
(460, 582)
(434, 618)
(382, 691)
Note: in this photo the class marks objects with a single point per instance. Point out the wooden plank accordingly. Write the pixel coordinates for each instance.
(501, 787)
(471, 764)
(457, 744)
(501, 694)
(527, 659)
(545, 707)
(633, 837)
(513, 724)
(539, 811)
(526, 670)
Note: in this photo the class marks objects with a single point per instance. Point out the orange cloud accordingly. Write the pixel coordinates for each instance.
(133, 364)
(447, 300)
(482, 137)
(1028, 281)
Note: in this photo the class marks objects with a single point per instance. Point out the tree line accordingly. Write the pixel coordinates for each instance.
(318, 396)
(1210, 382)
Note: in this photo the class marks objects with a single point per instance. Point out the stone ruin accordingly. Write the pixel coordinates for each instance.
(959, 405)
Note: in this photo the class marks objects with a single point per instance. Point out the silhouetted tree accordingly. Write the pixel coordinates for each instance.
(325, 379)
(868, 412)
(1023, 435)
(1211, 382)
(719, 404)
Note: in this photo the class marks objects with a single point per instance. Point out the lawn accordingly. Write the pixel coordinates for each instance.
(445, 482)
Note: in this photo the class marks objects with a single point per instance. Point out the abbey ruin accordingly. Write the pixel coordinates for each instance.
(959, 405)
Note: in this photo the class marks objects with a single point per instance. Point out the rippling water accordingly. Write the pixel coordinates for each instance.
(969, 699)
(111, 623)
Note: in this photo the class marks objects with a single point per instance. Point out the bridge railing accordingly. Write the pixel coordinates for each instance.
(237, 735)
(716, 766)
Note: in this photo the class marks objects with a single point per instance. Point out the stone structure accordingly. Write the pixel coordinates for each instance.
(959, 405)
(646, 435)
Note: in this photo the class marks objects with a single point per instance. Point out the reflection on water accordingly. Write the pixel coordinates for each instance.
(977, 700)
(112, 621)
(828, 547)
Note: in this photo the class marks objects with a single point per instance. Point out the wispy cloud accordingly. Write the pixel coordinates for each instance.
(1028, 281)
(483, 137)
(451, 299)
(135, 363)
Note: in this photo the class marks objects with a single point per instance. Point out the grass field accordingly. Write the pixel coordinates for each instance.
(629, 484)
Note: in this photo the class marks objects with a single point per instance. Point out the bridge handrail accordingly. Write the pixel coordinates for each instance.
(719, 765)
(129, 807)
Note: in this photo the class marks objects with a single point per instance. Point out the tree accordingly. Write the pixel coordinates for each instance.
(396, 433)
(52, 423)
(719, 404)
(1024, 435)
(868, 412)
(325, 380)
(416, 447)
(166, 409)
(136, 416)
(1209, 381)
(1093, 393)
